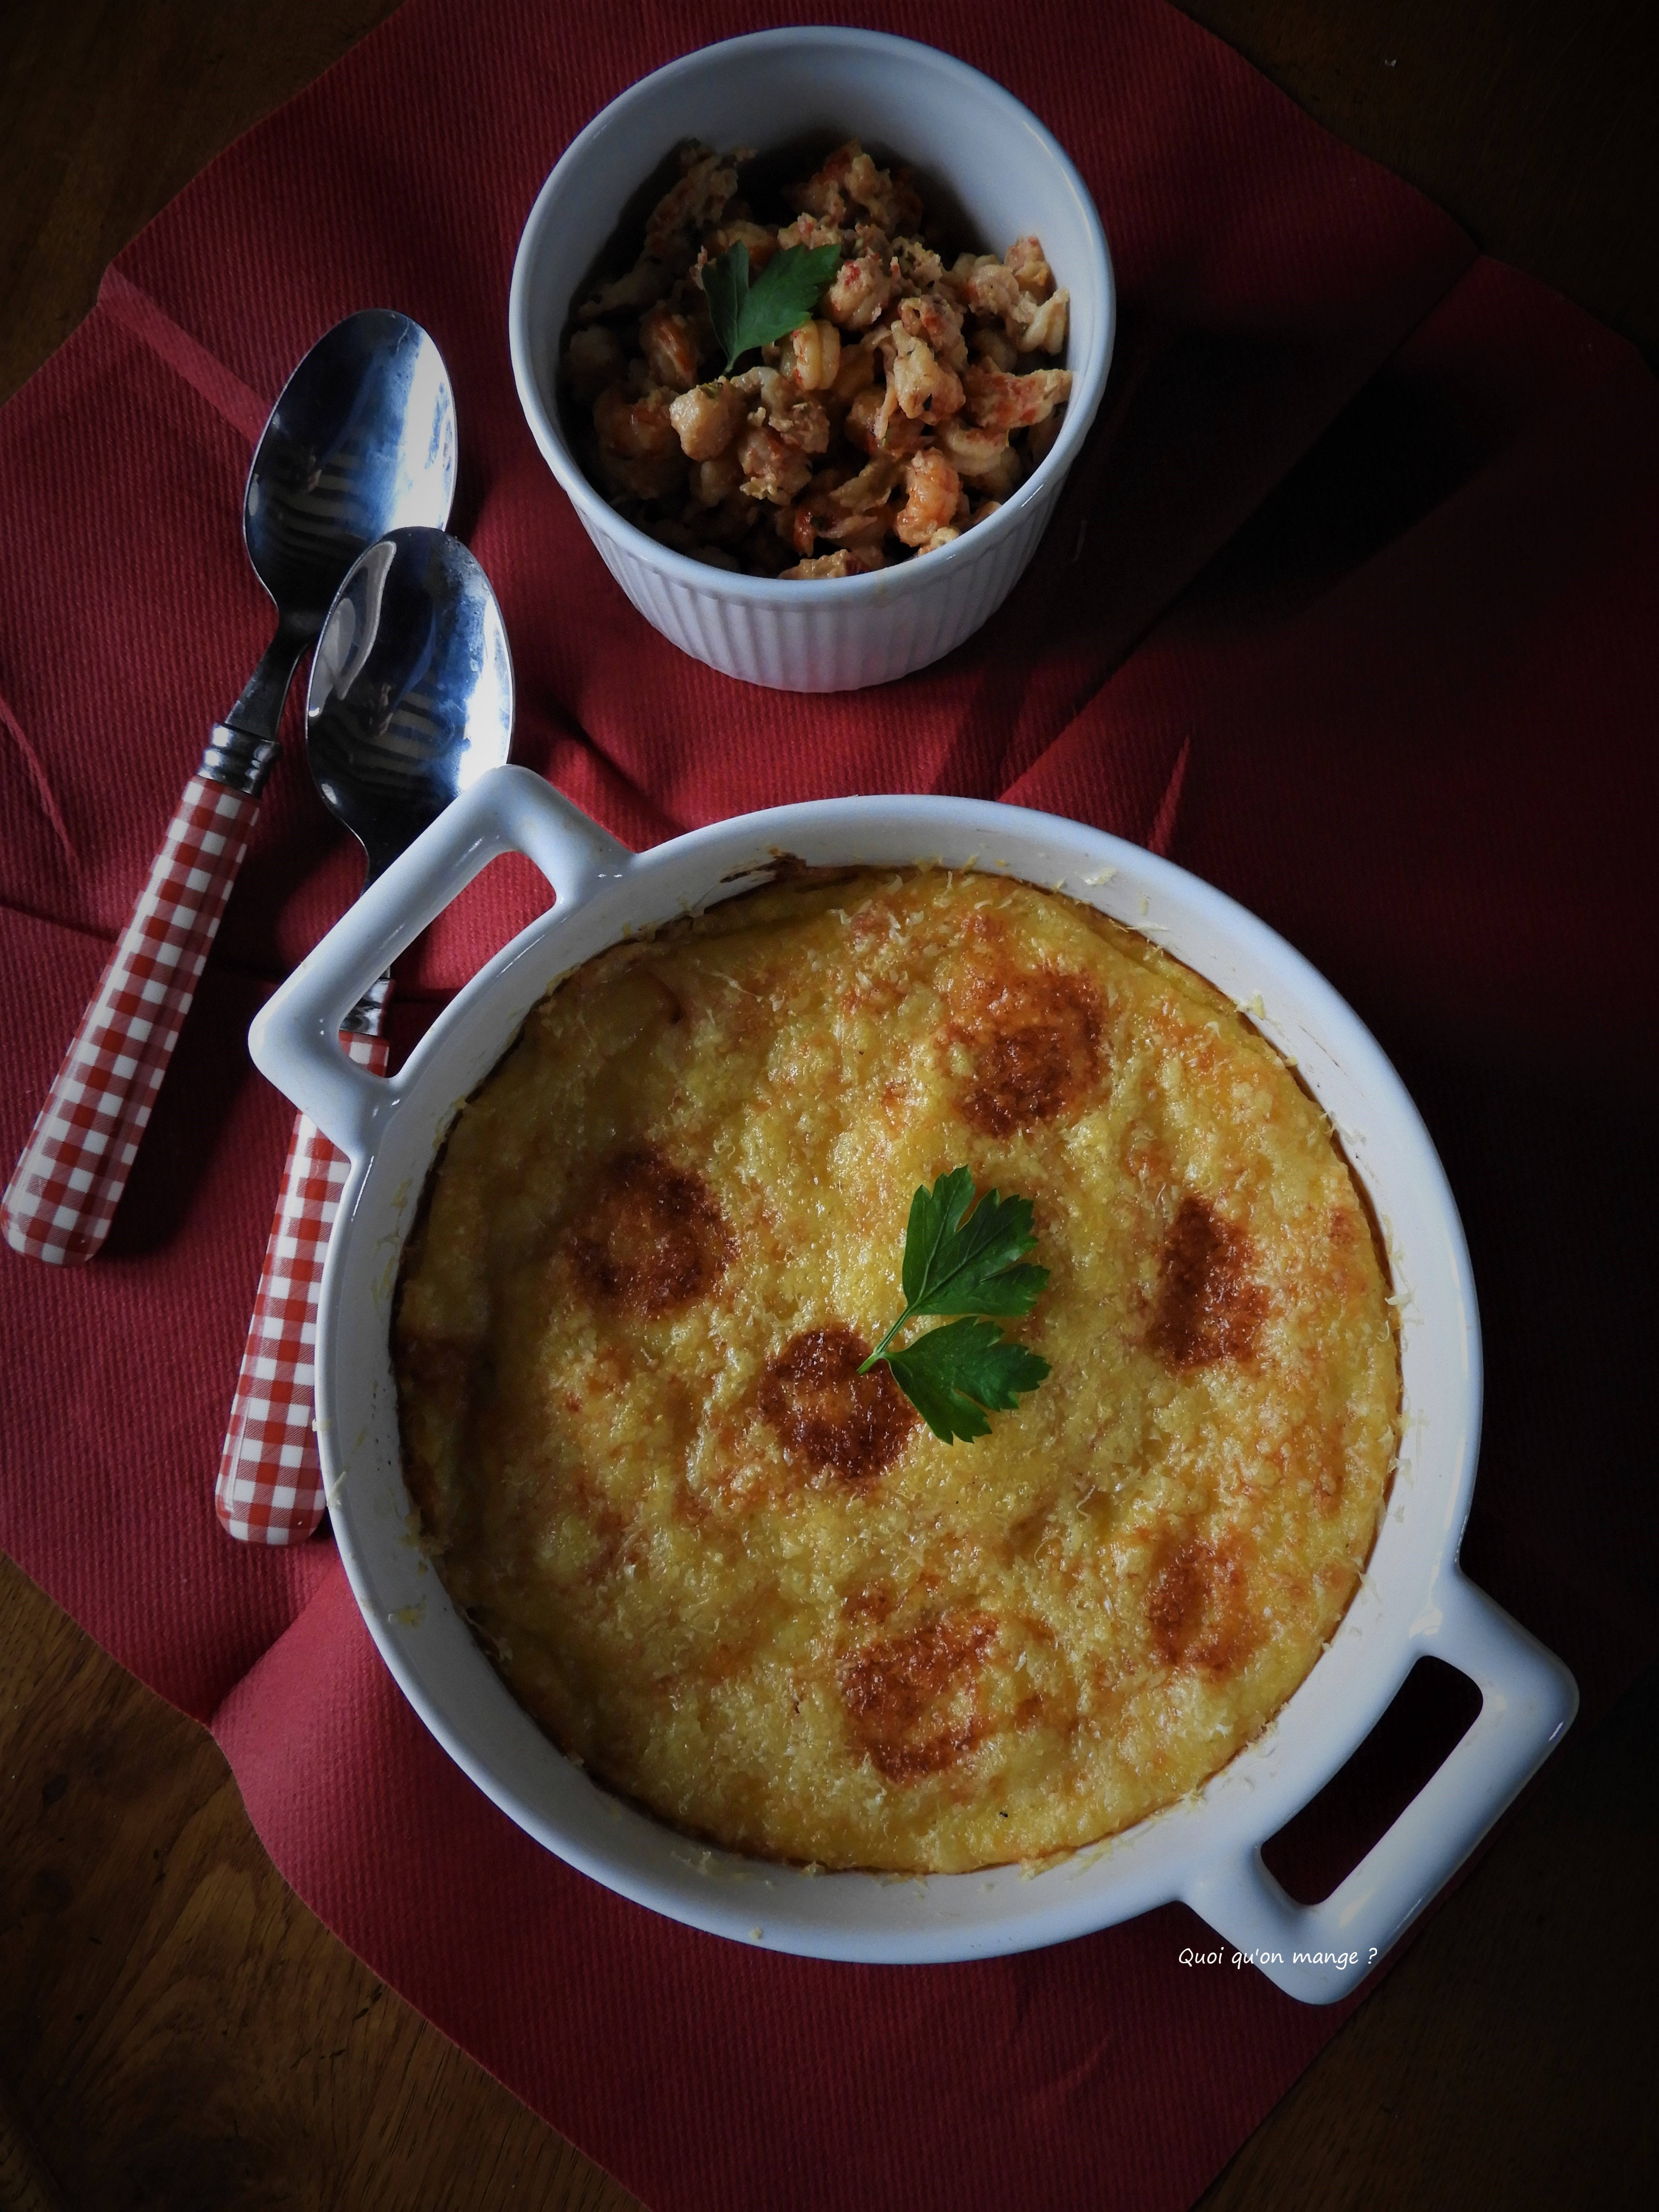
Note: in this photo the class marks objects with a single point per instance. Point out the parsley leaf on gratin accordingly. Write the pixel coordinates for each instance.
(949, 1375)
(973, 1264)
(781, 298)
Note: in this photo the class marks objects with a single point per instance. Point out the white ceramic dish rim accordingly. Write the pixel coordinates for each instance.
(1089, 374)
(1206, 1850)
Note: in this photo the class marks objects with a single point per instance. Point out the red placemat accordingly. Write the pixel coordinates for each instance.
(1349, 608)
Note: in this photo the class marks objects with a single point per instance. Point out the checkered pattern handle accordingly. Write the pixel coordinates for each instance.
(60, 1202)
(270, 1489)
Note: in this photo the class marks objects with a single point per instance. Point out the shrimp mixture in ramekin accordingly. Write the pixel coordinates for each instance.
(901, 414)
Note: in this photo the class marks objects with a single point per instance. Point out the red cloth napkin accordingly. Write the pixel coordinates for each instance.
(1349, 607)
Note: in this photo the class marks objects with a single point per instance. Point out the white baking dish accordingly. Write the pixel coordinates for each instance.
(1413, 1599)
(817, 85)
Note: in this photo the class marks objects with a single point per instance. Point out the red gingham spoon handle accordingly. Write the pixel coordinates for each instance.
(63, 1197)
(270, 1489)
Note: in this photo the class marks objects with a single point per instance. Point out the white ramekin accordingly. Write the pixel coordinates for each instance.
(1206, 1850)
(1009, 176)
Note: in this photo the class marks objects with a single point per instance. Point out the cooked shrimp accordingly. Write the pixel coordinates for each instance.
(936, 318)
(707, 418)
(873, 428)
(914, 267)
(798, 421)
(868, 528)
(1046, 330)
(845, 561)
(669, 345)
(699, 197)
(815, 508)
(983, 458)
(803, 527)
(807, 230)
(861, 289)
(1020, 299)
(772, 470)
(892, 201)
(762, 243)
(1031, 272)
(992, 290)
(934, 488)
(972, 451)
(918, 382)
(814, 356)
(868, 488)
(637, 427)
(825, 193)
(996, 402)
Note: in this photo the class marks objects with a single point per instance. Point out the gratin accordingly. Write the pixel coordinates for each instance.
(744, 1585)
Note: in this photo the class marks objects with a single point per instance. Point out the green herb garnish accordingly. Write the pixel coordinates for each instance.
(958, 1262)
(780, 298)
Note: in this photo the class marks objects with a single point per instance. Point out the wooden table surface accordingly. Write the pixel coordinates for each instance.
(176, 2029)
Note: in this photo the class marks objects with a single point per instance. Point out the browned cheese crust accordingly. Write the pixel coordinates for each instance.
(744, 1583)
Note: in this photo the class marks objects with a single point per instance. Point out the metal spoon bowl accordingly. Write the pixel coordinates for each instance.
(361, 441)
(410, 697)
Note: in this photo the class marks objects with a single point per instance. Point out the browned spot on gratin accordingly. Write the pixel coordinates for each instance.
(1208, 1307)
(822, 1407)
(1195, 1606)
(651, 1238)
(1034, 1043)
(910, 1699)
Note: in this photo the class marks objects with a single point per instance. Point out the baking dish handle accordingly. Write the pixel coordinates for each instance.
(1319, 1953)
(295, 1039)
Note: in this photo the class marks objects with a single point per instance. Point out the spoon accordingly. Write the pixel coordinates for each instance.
(362, 440)
(410, 701)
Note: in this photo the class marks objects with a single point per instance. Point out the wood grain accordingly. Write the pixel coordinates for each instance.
(107, 109)
(175, 2027)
